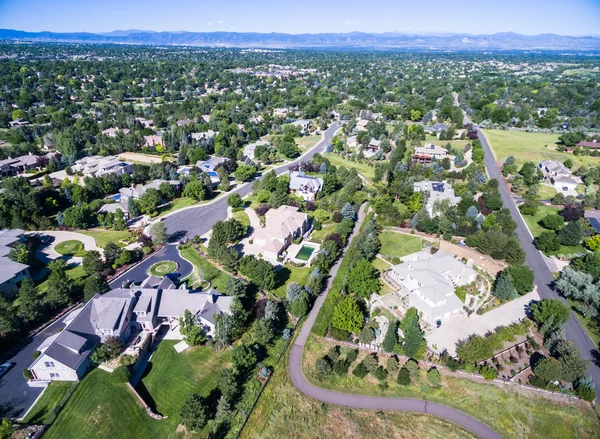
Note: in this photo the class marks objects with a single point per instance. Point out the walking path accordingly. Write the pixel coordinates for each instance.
(370, 402)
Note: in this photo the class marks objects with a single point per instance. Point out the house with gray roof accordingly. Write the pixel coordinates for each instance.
(11, 272)
(210, 167)
(429, 280)
(436, 192)
(123, 313)
(305, 186)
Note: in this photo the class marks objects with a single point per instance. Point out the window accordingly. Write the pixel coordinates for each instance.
(49, 364)
(54, 375)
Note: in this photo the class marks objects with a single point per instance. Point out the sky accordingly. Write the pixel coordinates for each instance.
(530, 17)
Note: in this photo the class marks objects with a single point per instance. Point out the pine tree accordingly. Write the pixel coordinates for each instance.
(504, 288)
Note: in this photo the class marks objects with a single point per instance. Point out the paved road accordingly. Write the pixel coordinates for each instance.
(370, 402)
(543, 277)
(15, 395)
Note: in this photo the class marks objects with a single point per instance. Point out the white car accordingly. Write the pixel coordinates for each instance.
(4, 368)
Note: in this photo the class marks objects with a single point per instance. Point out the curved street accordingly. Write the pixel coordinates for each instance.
(370, 402)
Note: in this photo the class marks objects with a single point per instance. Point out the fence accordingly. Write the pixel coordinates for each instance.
(50, 419)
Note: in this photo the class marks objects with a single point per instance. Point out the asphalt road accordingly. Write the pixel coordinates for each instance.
(370, 402)
(15, 395)
(543, 277)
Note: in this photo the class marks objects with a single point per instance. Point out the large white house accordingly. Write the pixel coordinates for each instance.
(99, 166)
(305, 186)
(429, 281)
(436, 192)
(122, 313)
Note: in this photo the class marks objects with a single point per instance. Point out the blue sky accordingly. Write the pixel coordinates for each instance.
(572, 17)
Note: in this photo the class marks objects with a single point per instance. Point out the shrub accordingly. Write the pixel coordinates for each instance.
(433, 375)
(380, 373)
(488, 372)
(341, 367)
(453, 364)
(27, 374)
(404, 377)
(413, 369)
(334, 353)
(127, 360)
(351, 355)
(36, 354)
(360, 371)
(585, 392)
(324, 367)
(370, 362)
(393, 364)
(120, 375)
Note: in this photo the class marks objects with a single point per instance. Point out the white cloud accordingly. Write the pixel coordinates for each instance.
(351, 22)
(220, 22)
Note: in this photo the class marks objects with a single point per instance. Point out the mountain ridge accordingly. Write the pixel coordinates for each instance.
(458, 41)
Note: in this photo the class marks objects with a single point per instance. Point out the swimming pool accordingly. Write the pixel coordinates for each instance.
(305, 253)
(116, 197)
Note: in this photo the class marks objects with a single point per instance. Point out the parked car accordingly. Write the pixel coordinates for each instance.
(4, 368)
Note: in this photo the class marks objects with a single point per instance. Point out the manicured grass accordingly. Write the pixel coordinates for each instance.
(289, 274)
(103, 237)
(162, 268)
(307, 142)
(71, 247)
(206, 270)
(74, 273)
(171, 376)
(100, 409)
(536, 229)
(176, 204)
(242, 217)
(319, 235)
(545, 192)
(398, 244)
(382, 265)
(531, 147)
(283, 412)
(363, 168)
(48, 401)
(508, 411)
(456, 144)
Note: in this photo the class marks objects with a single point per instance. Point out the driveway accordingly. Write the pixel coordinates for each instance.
(370, 402)
(460, 327)
(543, 277)
(46, 252)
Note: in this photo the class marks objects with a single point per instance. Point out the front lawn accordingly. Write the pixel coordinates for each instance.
(47, 402)
(72, 247)
(531, 147)
(205, 269)
(289, 274)
(103, 237)
(545, 192)
(100, 409)
(506, 409)
(242, 217)
(398, 244)
(74, 273)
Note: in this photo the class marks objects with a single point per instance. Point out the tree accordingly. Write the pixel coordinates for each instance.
(504, 288)
(194, 412)
(488, 372)
(404, 377)
(391, 337)
(243, 357)
(413, 335)
(522, 278)
(262, 332)
(227, 382)
(29, 303)
(347, 315)
(20, 253)
(330, 183)
(192, 332)
(6, 428)
(571, 234)
(299, 307)
(159, 233)
(150, 201)
(593, 243)
(574, 366)
(60, 286)
(433, 375)
(552, 222)
(513, 253)
(94, 284)
(235, 200)
(548, 369)
(579, 286)
(235, 287)
(547, 242)
(93, 263)
(363, 279)
(111, 252)
(132, 208)
(244, 173)
(195, 190)
(547, 309)
(261, 272)
(590, 264)
(572, 212)
(367, 334)
(348, 211)
(120, 375)
(323, 366)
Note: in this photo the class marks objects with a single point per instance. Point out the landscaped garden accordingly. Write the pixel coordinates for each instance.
(72, 247)
(163, 268)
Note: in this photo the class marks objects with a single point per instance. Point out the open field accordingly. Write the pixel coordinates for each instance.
(142, 158)
(71, 247)
(307, 142)
(283, 412)
(509, 412)
(48, 401)
(363, 169)
(207, 270)
(103, 237)
(532, 147)
(398, 244)
(100, 409)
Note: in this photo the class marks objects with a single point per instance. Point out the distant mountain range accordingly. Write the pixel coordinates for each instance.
(499, 41)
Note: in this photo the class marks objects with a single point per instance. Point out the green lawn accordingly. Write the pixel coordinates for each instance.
(398, 244)
(100, 409)
(307, 142)
(536, 229)
(532, 147)
(207, 270)
(242, 217)
(290, 274)
(545, 192)
(163, 267)
(176, 204)
(171, 376)
(456, 144)
(362, 168)
(48, 401)
(510, 413)
(103, 237)
(71, 247)
(319, 235)
(74, 273)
